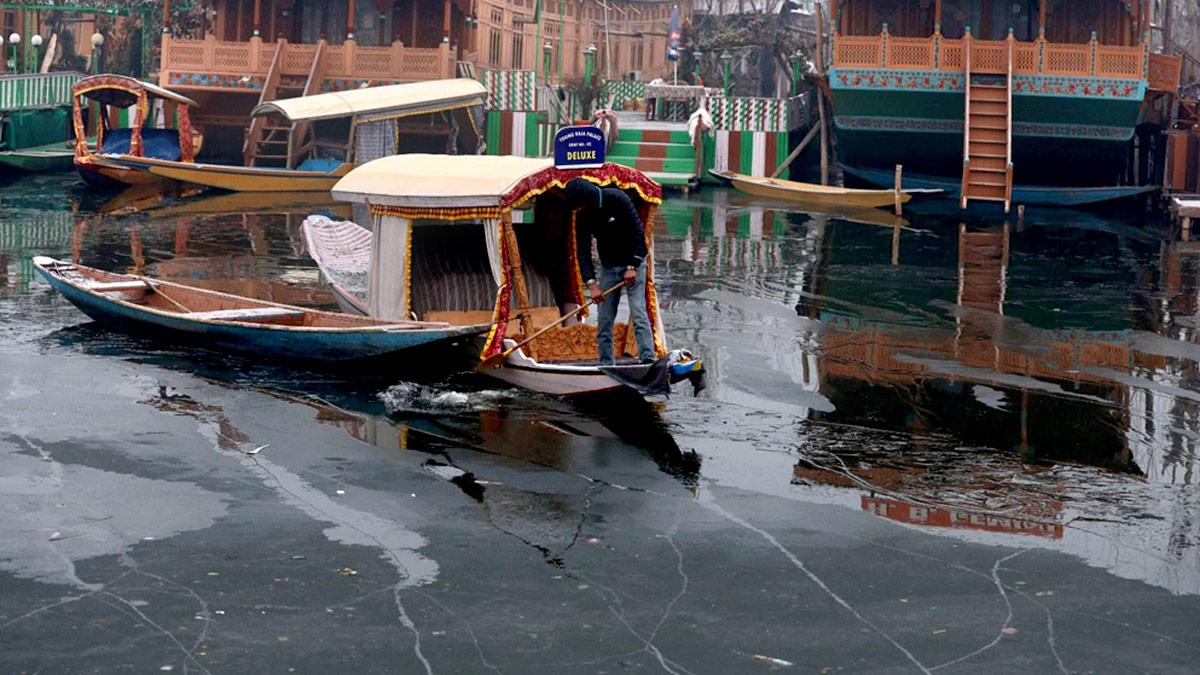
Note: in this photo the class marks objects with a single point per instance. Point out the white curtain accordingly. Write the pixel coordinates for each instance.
(387, 297)
(491, 231)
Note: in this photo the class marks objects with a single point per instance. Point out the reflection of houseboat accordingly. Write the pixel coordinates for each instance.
(994, 92)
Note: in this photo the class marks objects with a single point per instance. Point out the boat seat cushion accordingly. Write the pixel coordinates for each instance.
(251, 314)
(318, 164)
(156, 143)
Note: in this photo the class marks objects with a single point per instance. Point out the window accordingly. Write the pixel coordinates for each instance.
(518, 50)
(497, 17)
(494, 48)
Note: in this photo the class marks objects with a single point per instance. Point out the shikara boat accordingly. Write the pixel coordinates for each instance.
(342, 251)
(41, 159)
(132, 119)
(230, 322)
(820, 195)
(1028, 195)
(308, 143)
(464, 239)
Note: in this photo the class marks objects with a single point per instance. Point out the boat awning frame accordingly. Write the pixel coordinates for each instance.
(450, 187)
(121, 91)
(392, 100)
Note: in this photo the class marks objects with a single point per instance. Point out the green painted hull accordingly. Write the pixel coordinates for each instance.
(1065, 131)
(37, 161)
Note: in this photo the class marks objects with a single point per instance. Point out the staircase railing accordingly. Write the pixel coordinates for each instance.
(966, 118)
(312, 86)
(1008, 173)
(270, 84)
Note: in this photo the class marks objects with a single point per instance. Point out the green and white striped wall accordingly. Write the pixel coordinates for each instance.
(36, 90)
(754, 153)
(525, 134)
(515, 90)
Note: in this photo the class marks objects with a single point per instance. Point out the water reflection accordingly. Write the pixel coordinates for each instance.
(1028, 382)
(978, 379)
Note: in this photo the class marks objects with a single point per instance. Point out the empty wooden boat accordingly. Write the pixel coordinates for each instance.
(820, 195)
(342, 251)
(223, 321)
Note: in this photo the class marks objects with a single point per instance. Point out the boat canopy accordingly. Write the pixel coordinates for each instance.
(121, 92)
(478, 185)
(393, 100)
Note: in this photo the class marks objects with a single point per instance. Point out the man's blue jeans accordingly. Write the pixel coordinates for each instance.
(609, 276)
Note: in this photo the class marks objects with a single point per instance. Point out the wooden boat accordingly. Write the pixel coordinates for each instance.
(143, 105)
(342, 251)
(524, 275)
(722, 177)
(819, 195)
(308, 143)
(40, 159)
(1028, 195)
(223, 321)
(242, 178)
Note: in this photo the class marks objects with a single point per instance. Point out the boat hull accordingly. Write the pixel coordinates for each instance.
(1028, 195)
(37, 161)
(1065, 130)
(815, 195)
(239, 178)
(276, 342)
(105, 174)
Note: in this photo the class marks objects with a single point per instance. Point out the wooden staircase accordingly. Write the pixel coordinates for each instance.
(269, 143)
(987, 123)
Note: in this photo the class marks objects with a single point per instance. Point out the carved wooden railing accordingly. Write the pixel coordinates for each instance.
(252, 59)
(1038, 57)
(1163, 72)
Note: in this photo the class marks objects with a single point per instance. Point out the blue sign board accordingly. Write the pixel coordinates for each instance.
(580, 147)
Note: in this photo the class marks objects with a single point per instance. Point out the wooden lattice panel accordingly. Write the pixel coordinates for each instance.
(298, 58)
(232, 56)
(1123, 62)
(371, 62)
(989, 56)
(910, 53)
(1025, 57)
(858, 52)
(952, 55)
(1164, 72)
(1068, 59)
(186, 55)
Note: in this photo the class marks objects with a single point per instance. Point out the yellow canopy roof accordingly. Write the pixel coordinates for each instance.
(437, 181)
(411, 98)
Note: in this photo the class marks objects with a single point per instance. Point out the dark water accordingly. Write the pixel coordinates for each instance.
(925, 445)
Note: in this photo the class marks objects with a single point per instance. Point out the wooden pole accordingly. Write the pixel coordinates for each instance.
(258, 17)
(446, 21)
(1042, 18)
(821, 98)
(349, 19)
(812, 133)
(415, 16)
(937, 15)
(166, 16)
(897, 193)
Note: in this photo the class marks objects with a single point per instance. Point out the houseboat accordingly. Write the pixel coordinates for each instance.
(991, 93)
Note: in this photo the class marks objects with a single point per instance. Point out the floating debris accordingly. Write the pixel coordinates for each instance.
(773, 661)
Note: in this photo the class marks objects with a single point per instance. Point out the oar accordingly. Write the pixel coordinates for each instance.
(495, 360)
